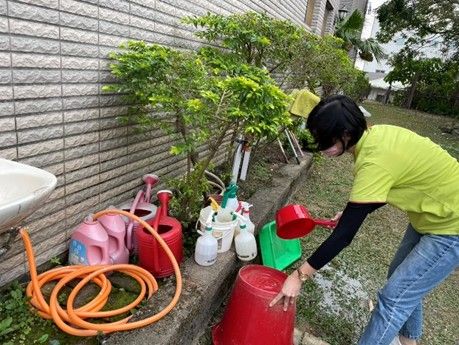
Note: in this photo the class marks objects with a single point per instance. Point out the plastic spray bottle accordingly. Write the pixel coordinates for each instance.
(246, 214)
(230, 201)
(246, 245)
(205, 253)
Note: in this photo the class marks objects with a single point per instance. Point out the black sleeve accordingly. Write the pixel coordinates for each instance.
(353, 216)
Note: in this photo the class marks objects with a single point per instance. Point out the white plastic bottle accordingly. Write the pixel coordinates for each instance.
(246, 214)
(230, 201)
(205, 253)
(245, 243)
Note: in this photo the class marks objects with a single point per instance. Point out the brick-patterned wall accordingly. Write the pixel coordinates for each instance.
(319, 14)
(53, 114)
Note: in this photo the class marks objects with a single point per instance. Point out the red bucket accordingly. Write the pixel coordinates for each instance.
(248, 319)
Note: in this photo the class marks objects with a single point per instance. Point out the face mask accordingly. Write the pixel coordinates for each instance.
(335, 150)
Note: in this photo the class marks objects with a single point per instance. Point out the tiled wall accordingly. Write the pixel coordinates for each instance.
(319, 15)
(53, 114)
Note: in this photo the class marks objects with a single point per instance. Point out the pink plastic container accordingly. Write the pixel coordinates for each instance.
(116, 230)
(89, 244)
(248, 319)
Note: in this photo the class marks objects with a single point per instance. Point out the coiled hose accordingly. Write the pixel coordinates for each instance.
(72, 320)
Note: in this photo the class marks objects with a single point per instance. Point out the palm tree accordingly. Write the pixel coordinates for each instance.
(349, 30)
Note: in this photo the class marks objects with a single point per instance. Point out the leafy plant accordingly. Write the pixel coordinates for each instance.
(255, 37)
(321, 62)
(424, 23)
(200, 98)
(420, 21)
(55, 260)
(432, 83)
(190, 187)
(350, 29)
(157, 79)
(17, 319)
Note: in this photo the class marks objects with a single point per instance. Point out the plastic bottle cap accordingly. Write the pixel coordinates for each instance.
(229, 193)
(246, 206)
(232, 190)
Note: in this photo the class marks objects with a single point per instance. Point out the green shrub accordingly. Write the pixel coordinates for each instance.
(199, 98)
(17, 319)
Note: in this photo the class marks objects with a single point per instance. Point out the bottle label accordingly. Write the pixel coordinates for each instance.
(77, 253)
(212, 260)
(250, 256)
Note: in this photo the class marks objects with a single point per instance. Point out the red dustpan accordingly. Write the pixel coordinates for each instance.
(294, 221)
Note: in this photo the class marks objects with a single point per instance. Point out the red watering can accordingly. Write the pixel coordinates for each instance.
(151, 256)
(294, 221)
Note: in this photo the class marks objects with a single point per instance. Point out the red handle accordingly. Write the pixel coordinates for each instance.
(326, 223)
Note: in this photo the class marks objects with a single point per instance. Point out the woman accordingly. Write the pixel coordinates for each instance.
(395, 166)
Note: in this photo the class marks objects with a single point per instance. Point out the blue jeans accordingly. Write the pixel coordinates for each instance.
(420, 264)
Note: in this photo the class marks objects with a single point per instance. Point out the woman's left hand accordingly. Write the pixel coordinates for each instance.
(290, 290)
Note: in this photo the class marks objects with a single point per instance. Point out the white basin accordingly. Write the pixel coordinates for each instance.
(23, 189)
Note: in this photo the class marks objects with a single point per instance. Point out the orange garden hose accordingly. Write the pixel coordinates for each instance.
(72, 320)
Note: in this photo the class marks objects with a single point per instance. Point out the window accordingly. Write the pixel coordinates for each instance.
(380, 71)
(309, 12)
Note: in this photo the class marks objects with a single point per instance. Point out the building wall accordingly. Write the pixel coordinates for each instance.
(320, 9)
(53, 114)
(352, 5)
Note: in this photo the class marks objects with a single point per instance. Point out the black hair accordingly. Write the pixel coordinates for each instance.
(334, 118)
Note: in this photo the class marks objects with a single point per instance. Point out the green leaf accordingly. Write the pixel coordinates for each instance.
(43, 338)
(175, 150)
(5, 323)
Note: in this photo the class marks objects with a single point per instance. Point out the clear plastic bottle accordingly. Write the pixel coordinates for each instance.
(205, 253)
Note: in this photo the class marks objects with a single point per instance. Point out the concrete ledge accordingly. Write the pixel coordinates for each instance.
(205, 287)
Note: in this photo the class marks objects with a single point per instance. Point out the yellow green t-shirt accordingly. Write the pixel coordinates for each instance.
(399, 167)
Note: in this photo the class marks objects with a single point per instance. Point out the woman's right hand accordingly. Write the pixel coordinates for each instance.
(290, 290)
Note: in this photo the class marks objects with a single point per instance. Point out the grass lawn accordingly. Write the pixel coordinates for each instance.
(335, 304)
